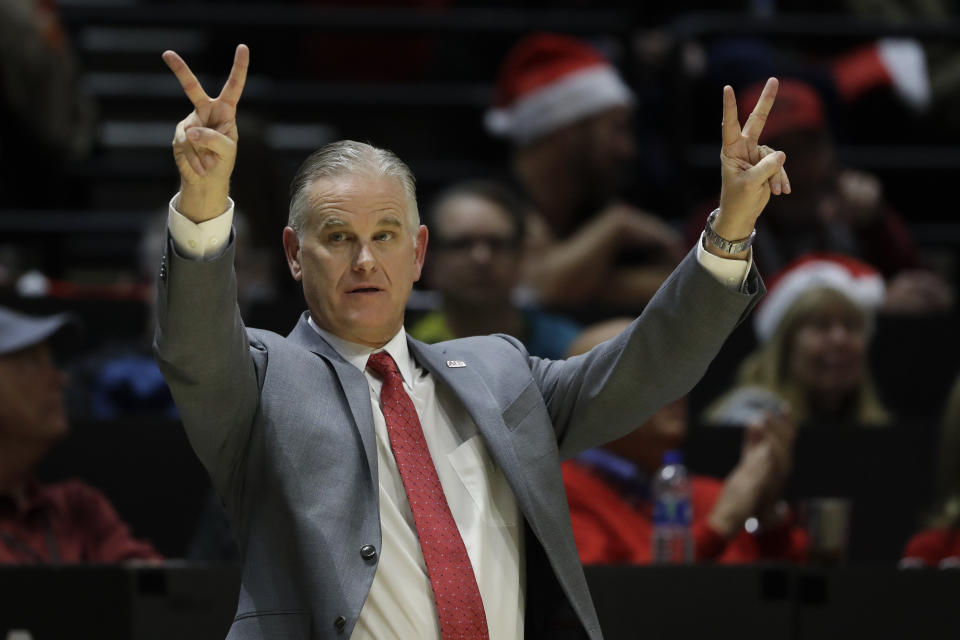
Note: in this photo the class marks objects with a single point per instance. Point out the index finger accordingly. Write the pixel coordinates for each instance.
(731, 124)
(758, 117)
(191, 86)
(238, 76)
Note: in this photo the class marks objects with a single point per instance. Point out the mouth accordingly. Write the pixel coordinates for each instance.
(364, 290)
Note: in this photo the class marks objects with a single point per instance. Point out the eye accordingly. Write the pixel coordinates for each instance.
(337, 236)
(383, 236)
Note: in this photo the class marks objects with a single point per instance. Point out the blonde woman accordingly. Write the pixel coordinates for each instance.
(814, 329)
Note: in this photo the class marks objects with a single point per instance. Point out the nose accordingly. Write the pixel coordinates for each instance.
(364, 259)
(60, 378)
(627, 148)
(481, 252)
(840, 334)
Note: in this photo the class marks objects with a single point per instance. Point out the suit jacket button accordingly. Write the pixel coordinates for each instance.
(368, 552)
(340, 623)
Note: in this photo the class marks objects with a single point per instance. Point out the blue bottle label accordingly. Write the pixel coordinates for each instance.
(672, 512)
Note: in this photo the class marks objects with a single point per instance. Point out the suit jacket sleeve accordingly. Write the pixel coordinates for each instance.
(208, 361)
(615, 387)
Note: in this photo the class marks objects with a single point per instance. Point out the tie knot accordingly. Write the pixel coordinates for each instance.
(382, 364)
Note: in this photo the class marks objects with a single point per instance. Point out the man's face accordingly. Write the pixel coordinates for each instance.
(357, 258)
(31, 396)
(475, 259)
(609, 149)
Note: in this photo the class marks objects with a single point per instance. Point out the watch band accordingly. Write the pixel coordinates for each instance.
(727, 246)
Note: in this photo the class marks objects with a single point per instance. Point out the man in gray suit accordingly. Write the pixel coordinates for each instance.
(384, 488)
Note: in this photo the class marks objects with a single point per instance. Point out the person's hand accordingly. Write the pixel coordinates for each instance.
(756, 483)
(857, 199)
(917, 291)
(633, 227)
(780, 430)
(750, 172)
(205, 142)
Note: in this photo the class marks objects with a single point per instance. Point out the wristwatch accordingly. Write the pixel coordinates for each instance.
(727, 246)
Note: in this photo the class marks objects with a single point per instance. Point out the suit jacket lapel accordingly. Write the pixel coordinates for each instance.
(352, 382)
(472, 391)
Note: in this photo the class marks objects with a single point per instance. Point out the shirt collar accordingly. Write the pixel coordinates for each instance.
(357, 354)
(628, 476)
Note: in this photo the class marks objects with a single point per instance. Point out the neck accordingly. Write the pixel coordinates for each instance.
(555, 191)
(17, 461)
(470, 320)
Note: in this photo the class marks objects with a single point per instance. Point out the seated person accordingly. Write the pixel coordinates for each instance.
(568, 114)
(939, 544)
(63, 522)
(474, 261)
(740, 519)
(814, 328)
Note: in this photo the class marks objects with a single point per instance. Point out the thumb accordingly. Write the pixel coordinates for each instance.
(767, 168)
(211, 140)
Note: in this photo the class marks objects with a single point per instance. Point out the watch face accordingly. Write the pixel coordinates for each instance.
(723, 244)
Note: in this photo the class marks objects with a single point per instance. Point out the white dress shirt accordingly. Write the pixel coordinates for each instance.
(400, 603)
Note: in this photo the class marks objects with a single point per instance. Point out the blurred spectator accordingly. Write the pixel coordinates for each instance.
(813, 327)
(569, 115)
(46, 120)
(740, 519)
(475, 254)
(64, 522)
(122, 377)
(939, 544)
(832, 208)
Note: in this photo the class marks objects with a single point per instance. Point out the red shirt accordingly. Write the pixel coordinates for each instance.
(933, 548)
(609, 529)
(66, 522)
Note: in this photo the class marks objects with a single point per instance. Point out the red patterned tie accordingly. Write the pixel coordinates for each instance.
(455, 590)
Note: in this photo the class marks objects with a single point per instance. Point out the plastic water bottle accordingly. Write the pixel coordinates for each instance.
(672, 512)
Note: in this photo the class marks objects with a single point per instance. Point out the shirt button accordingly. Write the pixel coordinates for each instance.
(340, 623)
(192, 244)
(213, 242)
(368, 552)
(731, 281)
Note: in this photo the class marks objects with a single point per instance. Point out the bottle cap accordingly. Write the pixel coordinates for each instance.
(673, 456)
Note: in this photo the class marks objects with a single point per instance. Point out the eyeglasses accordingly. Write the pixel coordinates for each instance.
(495, 244)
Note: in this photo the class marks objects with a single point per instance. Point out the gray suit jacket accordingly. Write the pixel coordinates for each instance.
(285, 428)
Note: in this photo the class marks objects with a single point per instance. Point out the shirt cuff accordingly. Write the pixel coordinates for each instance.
(728, 271)
(205, 240)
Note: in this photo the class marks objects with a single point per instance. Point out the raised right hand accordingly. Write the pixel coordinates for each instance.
(205, 142)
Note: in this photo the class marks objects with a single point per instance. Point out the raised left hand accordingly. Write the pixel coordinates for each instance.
(750, 172)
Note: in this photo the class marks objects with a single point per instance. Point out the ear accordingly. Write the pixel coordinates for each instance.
(420, 251)
(291, 248)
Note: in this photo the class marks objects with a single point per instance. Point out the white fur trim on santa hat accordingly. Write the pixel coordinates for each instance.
(576, 96)
(907, 65)
(866, 290)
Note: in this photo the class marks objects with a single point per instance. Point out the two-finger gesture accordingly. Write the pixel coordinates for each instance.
(205, 142)
(750, 172)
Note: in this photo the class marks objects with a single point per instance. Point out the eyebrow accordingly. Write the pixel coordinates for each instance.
(332, 221)
(388, 220)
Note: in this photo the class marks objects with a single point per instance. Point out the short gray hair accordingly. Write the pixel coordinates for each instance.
(346, 157)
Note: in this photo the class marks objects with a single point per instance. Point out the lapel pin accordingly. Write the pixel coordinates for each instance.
(456, 364)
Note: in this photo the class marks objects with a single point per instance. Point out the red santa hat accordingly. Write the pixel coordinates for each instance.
(856, 280)
(548, 81)
(899, 63)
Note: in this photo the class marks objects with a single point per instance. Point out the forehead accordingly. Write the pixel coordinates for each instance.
(467, 213)
(353, 198)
